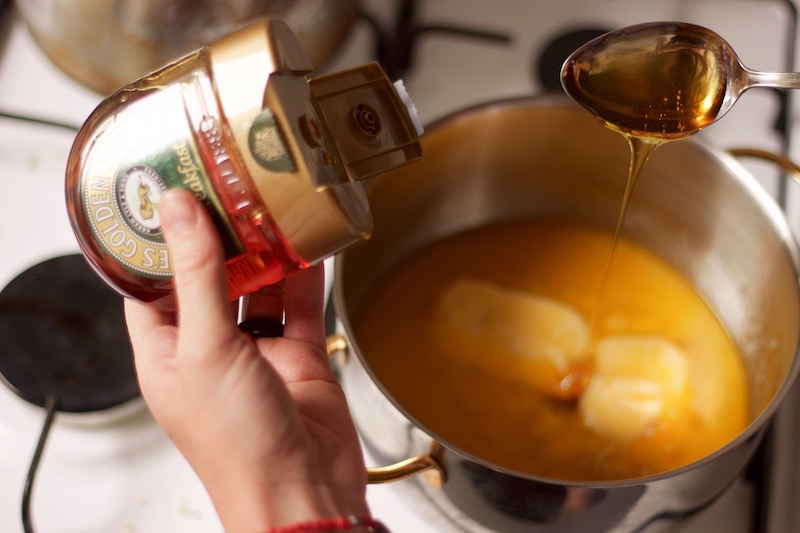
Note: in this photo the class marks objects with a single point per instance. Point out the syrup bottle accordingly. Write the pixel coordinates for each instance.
(276, 156)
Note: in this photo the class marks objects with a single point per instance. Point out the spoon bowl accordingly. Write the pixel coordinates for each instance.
(665, 79)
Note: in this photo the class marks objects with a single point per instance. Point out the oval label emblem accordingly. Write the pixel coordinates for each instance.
(267, 145)
(140, 189)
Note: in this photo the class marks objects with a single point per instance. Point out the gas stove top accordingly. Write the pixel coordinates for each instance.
(120, 473)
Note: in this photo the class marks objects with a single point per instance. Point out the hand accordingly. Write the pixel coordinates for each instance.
(263, 422)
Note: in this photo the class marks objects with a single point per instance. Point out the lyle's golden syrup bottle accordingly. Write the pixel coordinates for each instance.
(275, 156)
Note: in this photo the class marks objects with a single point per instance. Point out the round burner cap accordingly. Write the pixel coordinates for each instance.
(62, 333)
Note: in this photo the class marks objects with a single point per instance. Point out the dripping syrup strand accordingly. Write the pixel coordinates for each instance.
(640, 149)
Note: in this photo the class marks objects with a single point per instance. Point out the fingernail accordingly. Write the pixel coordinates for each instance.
(177, 211)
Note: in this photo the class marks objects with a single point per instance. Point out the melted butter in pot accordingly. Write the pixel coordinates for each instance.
(496, 397)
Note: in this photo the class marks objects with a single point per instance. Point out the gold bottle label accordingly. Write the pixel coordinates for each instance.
(143, 150)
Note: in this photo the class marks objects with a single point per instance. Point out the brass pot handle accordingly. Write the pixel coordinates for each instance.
(787, 165)
(337, 344)
(430, 464)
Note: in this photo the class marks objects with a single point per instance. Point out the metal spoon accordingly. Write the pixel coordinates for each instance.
(666, 79)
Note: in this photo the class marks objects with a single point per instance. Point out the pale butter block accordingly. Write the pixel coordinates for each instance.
(619, 407)
(522, 334)
(638, 379)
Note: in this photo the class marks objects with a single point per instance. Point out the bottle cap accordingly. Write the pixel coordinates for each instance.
(308, 141)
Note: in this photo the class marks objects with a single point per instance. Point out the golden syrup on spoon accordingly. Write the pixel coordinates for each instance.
(659, 81)
(652, 83)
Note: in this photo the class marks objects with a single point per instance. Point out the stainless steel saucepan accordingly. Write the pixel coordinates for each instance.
(695, 205)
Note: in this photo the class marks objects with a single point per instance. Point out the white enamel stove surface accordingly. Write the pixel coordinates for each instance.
(126, 476)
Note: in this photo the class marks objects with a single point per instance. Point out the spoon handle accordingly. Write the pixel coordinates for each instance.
(779, 80)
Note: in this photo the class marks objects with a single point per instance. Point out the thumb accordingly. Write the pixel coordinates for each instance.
(198, 263)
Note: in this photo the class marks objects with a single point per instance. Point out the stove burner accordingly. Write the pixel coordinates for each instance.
(62, 334)
(548, 69)
(395, 46)
(63, 346)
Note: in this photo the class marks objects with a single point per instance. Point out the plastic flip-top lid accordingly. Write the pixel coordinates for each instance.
(373, 124)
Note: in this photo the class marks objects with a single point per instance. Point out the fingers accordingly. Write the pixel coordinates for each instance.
(143, 322)
(199, 266)
(154, 340)
(200, 282)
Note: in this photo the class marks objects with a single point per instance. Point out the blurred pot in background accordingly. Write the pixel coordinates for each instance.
(105, 44)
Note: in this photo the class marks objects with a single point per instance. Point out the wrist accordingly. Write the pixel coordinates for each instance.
(361, 523)
(312, 502)
(249, 508)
